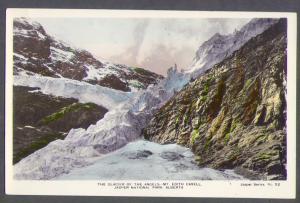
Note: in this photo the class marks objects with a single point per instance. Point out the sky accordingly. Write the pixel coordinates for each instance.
(151, 43)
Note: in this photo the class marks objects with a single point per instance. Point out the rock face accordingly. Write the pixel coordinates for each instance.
(37, 52)
(234, 115)
(40, 119)
(219, 46)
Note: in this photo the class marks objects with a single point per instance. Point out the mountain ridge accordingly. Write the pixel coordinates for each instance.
(219, 46)
(233, 115)
(35, 52)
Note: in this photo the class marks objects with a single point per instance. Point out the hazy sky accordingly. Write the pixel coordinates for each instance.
(155, 44)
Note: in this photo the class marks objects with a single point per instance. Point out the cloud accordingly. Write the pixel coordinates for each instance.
(161, 57)
(130, 55)
(159, 43)
(153, 43)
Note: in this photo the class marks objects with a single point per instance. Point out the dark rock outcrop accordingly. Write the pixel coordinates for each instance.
(234, 115)
(40, 119)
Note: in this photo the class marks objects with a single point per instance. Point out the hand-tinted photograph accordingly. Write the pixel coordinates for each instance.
(144, 98)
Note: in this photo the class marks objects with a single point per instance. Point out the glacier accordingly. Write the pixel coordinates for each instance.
(145, 160)
(82, 152)
(121, 125)
(83, 91)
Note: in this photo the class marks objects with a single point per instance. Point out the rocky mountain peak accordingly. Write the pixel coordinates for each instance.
(35, 52)
(215, 36)
(25, 24)
(218, 47)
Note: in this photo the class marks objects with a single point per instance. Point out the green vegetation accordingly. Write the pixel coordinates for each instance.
(233, 126)
(63, 111)
(141, 71)
(264, 156)
(227, 136)
(267, 156)
(195, 135)
(248, 83)
(206, 88)
(36, 145)
(203, 98)
(177, 121)
(207, 143)
(185, 119)
(188, 113)
(261, 137)
(198, 159)
(136, 84)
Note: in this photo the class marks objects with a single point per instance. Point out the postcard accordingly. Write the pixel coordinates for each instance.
(150, 103)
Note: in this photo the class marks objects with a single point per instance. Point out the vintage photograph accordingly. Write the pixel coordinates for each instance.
(143, 98)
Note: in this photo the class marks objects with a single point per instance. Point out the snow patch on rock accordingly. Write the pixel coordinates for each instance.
(61, 55)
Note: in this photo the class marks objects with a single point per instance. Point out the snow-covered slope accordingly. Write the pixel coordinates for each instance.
(218, 47)
(37, 52)
(144, 160)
